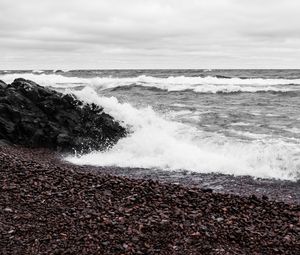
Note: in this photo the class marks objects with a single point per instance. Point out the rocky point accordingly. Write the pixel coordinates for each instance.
(36, 116)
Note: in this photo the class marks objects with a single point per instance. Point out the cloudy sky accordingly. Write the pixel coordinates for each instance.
(105, 34)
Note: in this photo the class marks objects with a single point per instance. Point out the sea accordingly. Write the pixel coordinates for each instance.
(237, 122)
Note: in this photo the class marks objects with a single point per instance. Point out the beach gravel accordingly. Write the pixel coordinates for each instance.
(48, 207)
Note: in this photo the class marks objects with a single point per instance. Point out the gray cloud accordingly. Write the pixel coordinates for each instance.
(149, 34)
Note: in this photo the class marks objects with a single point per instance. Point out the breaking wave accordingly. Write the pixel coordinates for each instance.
(157, 142)
(199, 84)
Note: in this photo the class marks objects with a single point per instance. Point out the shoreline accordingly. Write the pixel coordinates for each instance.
(243, 185)
(275, 189)
(50, 206)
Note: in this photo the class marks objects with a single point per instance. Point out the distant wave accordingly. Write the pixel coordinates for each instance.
(222, 76)
(283, 92)
(61, 70)
(37, 71)
(205, 89)
(198, 84)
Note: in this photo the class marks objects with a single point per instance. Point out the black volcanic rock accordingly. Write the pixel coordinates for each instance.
(3, 84)
(36, 116)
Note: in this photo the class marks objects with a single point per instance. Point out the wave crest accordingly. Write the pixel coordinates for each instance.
(199, 84)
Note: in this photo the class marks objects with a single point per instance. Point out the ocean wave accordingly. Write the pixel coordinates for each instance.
(206, 84)
(209, 89)
(156, 142)
(61, 70)
(37, 71)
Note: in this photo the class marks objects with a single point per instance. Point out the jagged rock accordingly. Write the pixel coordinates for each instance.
(36, 116)
(3, 84)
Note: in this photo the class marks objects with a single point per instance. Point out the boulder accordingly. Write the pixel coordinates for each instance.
(3, 84)
(35, 116)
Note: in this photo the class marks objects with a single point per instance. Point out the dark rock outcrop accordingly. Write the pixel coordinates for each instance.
(3, 84)
(36, 116)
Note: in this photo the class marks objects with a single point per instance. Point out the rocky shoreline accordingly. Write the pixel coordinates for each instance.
(50, 207)
(277, 190)
(36, 116)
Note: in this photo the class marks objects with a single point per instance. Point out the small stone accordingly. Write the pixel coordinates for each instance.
(196, 234)
(7, 209)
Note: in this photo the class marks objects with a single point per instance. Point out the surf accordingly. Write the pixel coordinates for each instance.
(199, 84)
(158, 143)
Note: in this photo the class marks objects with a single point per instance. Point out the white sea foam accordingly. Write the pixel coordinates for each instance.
(198, 84)
(37, 71)
(239, 124)
(179, 105)
(159, 143)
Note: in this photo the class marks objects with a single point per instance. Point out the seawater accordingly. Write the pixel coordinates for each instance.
(241, 122)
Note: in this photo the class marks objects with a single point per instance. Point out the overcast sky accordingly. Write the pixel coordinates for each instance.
(105, 34)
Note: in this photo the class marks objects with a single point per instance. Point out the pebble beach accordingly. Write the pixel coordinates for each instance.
(51, 207)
